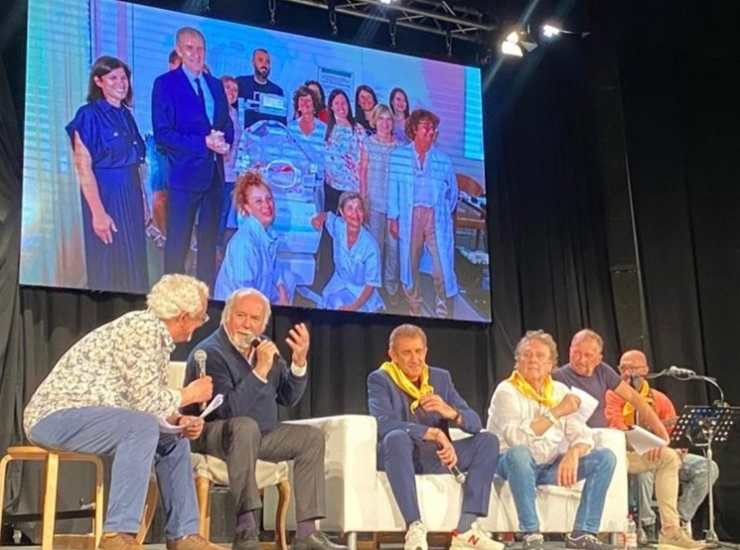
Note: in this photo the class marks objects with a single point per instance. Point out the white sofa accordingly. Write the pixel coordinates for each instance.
(359, 498)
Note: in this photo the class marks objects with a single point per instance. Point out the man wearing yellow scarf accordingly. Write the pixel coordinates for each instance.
(415, 405)
(543, 443)
(693, 471)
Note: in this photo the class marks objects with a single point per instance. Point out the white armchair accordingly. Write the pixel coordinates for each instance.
(361, 499)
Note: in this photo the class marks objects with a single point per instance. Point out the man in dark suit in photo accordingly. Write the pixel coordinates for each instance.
(190, 118)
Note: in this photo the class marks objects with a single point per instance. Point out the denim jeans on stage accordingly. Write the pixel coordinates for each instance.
(518, 467)
(693, 482)
(132, 438)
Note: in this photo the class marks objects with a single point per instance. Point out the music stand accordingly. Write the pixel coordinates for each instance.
(702, 426)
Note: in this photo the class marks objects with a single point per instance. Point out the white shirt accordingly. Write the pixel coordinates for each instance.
(510, 417)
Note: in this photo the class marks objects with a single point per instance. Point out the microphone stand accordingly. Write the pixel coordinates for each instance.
(711, 540)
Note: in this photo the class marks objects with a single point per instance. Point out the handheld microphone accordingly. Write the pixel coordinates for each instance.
(459, 476)
(635, 382)
(200, 357)
(257, 340)
(679, 372)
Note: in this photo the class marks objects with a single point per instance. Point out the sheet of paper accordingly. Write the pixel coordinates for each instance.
(213, 405)
(642, 440)
(167, 428)
(588, 404)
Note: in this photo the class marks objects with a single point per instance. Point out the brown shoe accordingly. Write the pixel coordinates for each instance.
(119, 541)
(192, 542)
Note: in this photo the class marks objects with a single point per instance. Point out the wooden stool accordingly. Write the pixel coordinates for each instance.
(50, 478)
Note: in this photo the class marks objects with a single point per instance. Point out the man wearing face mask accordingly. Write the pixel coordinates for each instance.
(252, 377)
(252, 87)
(692, 475)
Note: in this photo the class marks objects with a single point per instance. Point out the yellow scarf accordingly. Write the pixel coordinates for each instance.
(526, 389)
(628, 411)
(406, 385)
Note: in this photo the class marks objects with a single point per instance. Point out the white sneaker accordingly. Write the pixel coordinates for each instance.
(416, 537)
(475, 537)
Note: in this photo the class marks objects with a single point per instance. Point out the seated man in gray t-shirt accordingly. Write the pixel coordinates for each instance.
(587, 372)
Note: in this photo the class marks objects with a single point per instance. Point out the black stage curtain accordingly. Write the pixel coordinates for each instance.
(681, 120)
(546, 229)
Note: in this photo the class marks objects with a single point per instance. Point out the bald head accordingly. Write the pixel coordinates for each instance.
(633, 363)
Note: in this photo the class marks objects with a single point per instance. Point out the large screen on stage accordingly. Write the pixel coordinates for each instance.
(325, 175)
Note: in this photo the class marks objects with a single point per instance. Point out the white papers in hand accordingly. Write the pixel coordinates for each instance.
(588, 404)
(213, 405)
(167, 428)
(642, 440)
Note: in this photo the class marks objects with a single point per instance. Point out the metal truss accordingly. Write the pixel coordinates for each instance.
(438, 17)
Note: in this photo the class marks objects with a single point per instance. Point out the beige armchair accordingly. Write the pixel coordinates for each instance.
(211, 472)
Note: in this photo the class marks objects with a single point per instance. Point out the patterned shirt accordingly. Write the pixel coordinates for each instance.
(121, 364)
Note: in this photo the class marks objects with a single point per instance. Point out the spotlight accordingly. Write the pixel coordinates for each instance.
(386, 1)
(516, 43)
(551, 31)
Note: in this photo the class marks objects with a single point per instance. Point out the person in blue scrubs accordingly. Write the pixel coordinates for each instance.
(356, 279)
(250, 259)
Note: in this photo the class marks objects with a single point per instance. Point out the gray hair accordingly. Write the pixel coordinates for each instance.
(406, 330)
(347, 196)
(587, 334)
(175, 294)
(240, 293)
(538, 336)
(189, 30)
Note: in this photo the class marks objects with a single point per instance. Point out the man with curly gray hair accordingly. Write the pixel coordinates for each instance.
(106, 396)
(543, 443)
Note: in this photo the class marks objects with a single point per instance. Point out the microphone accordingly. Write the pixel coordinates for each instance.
(679, 372)
(635, 382)
(200, 357)
(257, 340)
(459, 476)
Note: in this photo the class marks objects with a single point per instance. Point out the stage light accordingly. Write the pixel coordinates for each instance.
(386, 1)
(516, 43)
(550, 31)
(510, 48)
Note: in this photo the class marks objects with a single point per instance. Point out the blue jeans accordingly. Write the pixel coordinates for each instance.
(518, 467)
(693, 482)
(134, 441)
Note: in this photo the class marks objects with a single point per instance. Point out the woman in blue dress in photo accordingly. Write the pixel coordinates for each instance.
(108, 151)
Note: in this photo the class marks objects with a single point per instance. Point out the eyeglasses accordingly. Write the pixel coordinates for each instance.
(202, 319)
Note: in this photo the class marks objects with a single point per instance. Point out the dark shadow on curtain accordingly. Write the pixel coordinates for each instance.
(681, 118)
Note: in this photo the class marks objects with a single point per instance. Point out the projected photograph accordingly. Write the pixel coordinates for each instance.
(325, 175)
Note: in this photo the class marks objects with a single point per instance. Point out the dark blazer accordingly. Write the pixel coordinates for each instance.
(391, 407)
(244, 393)
(180, 128)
